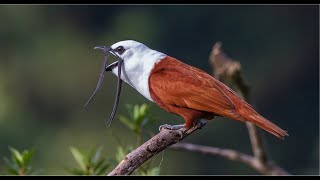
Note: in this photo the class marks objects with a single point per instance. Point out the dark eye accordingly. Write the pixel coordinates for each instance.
(120, 49)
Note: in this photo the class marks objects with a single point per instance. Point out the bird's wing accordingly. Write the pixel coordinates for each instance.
(179, 84)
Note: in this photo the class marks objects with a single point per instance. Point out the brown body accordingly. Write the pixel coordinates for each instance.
(193, 94)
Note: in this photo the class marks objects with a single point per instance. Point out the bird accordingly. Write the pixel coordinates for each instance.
(180, 88)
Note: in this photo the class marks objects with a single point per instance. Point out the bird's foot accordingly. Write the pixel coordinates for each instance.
(199, 124)
(171, 127)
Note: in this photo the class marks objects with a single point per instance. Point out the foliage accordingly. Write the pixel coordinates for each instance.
(19, 163)
(139, 117)
(121, 152)
(148, 169)
(93, 162)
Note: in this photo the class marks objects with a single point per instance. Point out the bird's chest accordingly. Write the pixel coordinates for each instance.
(136, 76)
(136, 71)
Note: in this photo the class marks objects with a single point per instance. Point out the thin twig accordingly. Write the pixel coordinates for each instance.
(229, 70)
(215, 151)
(232, 155)
(153, 146)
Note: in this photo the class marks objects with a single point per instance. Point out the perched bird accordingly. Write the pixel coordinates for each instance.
(181, 89)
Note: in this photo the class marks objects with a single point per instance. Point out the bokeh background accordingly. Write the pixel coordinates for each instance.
(48, 69)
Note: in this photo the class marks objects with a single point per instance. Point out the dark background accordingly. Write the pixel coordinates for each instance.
(48, 69)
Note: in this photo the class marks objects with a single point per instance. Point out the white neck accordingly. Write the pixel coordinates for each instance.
(136, 70)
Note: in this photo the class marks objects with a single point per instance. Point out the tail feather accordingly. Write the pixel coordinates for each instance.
(267, 125)
(247, 113)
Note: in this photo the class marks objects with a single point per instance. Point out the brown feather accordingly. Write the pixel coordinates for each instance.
(193, 94)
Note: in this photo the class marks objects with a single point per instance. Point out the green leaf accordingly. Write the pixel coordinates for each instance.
(29, 171)
(13, 168)
(139, 117)
(143, 113)
(77, 172)
(101, 168)
(99, 163)
(19, 162)
(144, 108)
(154, 171)
(136, 113)
(150, 172)
(96, 155)
(88, 157)
(126, 122)
(17, 157)
(92, 162)
(79, 157)
(129, 108)
(11, 164)
(12, 171)
(27, 155)
(120, 154)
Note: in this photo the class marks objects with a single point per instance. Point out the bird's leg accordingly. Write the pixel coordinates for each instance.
(199, 123)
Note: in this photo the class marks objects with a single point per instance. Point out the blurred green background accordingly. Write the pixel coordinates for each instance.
(48, 69)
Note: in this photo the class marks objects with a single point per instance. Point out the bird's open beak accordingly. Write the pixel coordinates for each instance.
(107, 49)
(112, 65)
(102, 47)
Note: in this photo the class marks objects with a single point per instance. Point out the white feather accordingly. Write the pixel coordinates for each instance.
(139, 61)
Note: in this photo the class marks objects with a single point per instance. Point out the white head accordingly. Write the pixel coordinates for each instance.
(138, 62)
(125, 49)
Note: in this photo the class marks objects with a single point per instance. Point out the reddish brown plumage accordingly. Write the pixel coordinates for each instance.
(193, 94)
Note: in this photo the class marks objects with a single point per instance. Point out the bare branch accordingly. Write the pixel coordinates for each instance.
(233, 156)
(215, 151)
(229, 70)
(256, 143)
(152, 147)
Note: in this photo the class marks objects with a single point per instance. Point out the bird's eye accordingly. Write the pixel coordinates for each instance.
(120, 49)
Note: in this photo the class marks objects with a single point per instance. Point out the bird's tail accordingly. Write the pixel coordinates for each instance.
(249, 114)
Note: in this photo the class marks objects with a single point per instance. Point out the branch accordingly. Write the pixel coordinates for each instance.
(233, 156)
(229, 70)
(215, 151)
(153, 146)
